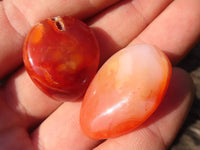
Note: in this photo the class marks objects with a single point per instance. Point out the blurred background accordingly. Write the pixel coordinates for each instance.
(189, 136)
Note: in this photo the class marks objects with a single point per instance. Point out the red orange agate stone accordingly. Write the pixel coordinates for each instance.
(125, 92)
(61, 55)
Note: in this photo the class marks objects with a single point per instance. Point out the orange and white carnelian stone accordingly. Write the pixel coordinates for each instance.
(125, 92)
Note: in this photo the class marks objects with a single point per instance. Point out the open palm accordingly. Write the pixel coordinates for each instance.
(31, 120)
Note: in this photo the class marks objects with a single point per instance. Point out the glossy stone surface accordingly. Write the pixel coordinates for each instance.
(125, 92)
(61, 55)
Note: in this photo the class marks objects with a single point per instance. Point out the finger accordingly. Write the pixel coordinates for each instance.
(63, 123)
(175, 30)
(15, 139)
(10, 50)
(77, 8)
(17, 17)
(27, 100)
(158, 132)
(120, 24)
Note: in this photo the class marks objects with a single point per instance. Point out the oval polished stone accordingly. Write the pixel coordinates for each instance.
(61, 55)
(125, 92)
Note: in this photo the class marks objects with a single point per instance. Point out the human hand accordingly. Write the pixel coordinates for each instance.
(29, 119)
